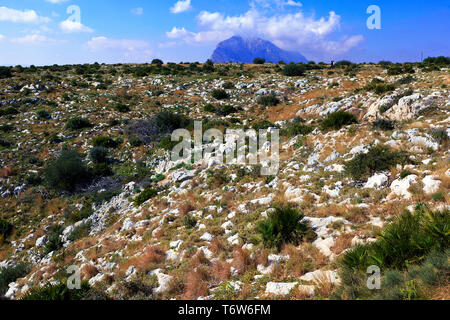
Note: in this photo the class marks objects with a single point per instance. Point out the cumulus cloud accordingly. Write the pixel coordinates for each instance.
(181, 6)
(2, 37)
(69, 26)
(33, 39)
(18, 16)
(291, 31)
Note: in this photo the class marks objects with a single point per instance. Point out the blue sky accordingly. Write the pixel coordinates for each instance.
(42, 32)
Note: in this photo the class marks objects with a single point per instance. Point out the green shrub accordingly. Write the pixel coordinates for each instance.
(189, 222)
(77, 123)
(343, 63)
(259, 61)
(105, 196)
(120, 107)
(405, 173)
(264, 124)
(43, 115)
(337, 120)
(66, 171)
(5, 72)
(6, 128)
(297, 127)
(228, 85)
(437, 60)
(438, 197)
(5, 143)
(383, 124)
(6, 229)
(405, 241)
(144, 196)
(157, 61)
(382, 89)
(10, 111)
(134, 141)
(225, 110)
(58, 292)
(209, 108)
(11, 274)
(167, 143)
(439, 135)
(282, 226)
(54, 242)
(106, 142)
(220, 94)
(101, 169)
(268, 100)
(294, 70)
(80, 232)
(99, 154)
(379, 158)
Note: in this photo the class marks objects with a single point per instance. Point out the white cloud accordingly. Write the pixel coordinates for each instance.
(56, 1)
(2, 37)
(137, 11)
(291, 31)
(181, 6)
(26, 16)
(33, 39)
(69, 26)
(120, 49)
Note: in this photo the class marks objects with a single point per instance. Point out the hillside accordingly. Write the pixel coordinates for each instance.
(359, 145)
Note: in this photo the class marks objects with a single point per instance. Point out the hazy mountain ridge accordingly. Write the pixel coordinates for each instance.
(238, 49)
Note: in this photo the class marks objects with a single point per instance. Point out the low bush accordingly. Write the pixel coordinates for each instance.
(269, 100)
(99, 154)
(80, 232)
(66, 172)
(54, 242)
(220, 94)
(58, 292)
(134, 141)
(264, 124)
(5, 72)
(284, 225)
(407, 240)
(383, 124)
(190, 222)
(77, 123)
(106, 142)
(120, 107)
(378, 158)
(296, 127)
(6, 229)
(440, 136)
(144, 196)
(10, 111)
(11, 274)
(259, 61)
(105, 196)
(337, 120)
(43, 115)
(225, 110)
(294, 70)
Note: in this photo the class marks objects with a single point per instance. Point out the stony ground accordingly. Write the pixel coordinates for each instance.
(197, 238)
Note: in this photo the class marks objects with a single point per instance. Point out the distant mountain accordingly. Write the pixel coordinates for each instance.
(238, 49)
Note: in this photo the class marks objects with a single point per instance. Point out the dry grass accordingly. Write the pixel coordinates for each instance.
(196, 283)
(344, 241)
(88, 271)
(220, 271)
(242, 260)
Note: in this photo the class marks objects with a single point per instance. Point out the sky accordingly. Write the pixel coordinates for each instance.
(47, 32)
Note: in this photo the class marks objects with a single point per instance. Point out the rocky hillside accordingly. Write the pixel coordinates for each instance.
(238, 49)
(86, 180)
